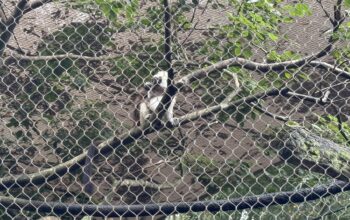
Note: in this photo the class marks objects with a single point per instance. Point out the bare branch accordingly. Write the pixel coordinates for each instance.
(73, 164)
(307, 97)
(223, 106)
(22, 7)
(330, 67)
(64, 56)
(325, 11)
(260, 67)
(198, 74)
(338, 18)
(144, 183)
(266, 112)
(237, 85)
(254, 66)
(195, 25)
(3, 16)
(11, 24)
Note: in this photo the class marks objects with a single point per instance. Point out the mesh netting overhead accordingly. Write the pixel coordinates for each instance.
(174, 109)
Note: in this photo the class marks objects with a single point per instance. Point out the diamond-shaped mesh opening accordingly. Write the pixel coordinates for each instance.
(174, 109)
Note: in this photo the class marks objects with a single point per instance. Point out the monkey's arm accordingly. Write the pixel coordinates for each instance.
(147, 86)
(87, 170)
(170, 112)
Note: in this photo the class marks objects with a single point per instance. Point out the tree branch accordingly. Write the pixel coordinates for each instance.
(113, 143)
(325, 11)
(144, 183)
(330, 67)
(77, 162)
(237, 85)
(172, 89)
(255, 66)
(129, 137)
(11, 24)
(307, 150)
(64, 56)
(224, 106)
(266, 112)
(22, 7)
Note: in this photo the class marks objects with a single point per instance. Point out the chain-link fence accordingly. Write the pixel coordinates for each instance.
(174, 109)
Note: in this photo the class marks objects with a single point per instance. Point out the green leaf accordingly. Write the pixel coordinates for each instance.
(273, 37)
(288, 75)
(293, 124)
(238, 51)
(347, 3)
(247, 53)
(298, 10)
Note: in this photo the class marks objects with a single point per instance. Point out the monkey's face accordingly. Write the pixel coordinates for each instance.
(156, 81)
(161, 79)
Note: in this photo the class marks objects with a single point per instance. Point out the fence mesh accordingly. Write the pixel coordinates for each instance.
(174, 109)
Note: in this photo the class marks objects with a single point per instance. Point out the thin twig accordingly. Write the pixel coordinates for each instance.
(237, 85)
(195, 25)
(332, 86)
(325, 11)
(306, 97)
(266, 112)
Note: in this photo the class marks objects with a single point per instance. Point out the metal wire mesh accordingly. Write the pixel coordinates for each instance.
(174, 109)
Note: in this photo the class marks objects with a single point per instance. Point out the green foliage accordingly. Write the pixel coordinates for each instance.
(347, 3)
(328, 126)
(274, 56)
(298, 10)
(134, 69)
(253, 24)
(120, 12)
